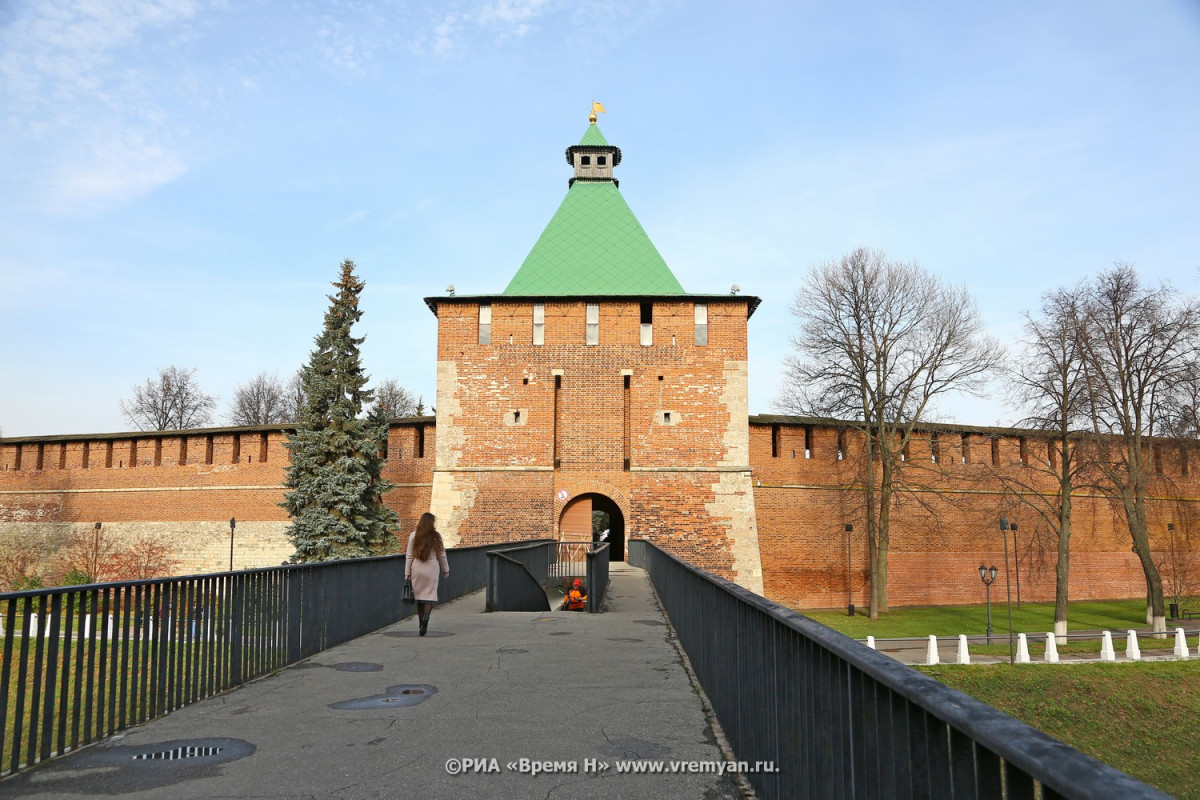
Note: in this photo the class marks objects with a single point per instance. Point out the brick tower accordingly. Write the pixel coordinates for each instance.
(595, 383)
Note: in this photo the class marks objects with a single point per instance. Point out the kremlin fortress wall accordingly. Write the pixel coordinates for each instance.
(184, 487)
(594, 382)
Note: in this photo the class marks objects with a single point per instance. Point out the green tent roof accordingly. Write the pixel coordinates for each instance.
(592, 137)
(593, 245)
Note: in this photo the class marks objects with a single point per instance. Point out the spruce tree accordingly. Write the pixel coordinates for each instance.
(336, 471)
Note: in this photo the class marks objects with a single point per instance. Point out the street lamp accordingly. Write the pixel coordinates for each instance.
(1174, 573)
(987, 575)
(232, 525)
(1012, 657)
(849, 583)
(1016, 563)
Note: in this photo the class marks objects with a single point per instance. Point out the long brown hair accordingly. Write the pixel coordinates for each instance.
(428, 541)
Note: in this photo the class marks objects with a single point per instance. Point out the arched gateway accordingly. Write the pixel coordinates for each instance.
(594, 518)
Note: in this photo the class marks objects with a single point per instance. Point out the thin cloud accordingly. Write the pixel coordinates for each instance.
(504, 19)
(73, 92)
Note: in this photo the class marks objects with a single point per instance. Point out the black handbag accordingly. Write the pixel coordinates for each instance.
(407, 593)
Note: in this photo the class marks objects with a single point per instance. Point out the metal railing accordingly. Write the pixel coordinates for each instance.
(597, 577)
(81, 663)
(570, 560)
(836, 719)
(517, 577)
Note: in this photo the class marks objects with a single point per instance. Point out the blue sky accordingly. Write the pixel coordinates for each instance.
(179, 179)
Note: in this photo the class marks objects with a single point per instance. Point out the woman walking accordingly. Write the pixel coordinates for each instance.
(426, 557)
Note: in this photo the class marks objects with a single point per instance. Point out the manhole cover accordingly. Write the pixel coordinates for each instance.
(357, 666)
(177, 753)
(392, 697)
(414, 634)
(511, 650)
(559, 633)
(625, 639)
(648, 622)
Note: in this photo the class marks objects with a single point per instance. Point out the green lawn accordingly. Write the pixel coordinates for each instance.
(1032, 618)
(1140, 718)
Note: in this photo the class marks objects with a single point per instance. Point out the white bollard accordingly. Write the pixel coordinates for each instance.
(1132, 651)
(1051, 649)
(1106, 648)
(931, 652)
(871, 642)
(1197, 644)
(87, 625)
(110, 626)
(1022, 649)
(1181, 648)
(33, 626)
(964, 656)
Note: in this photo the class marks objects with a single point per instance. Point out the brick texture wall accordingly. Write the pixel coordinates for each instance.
(763, 504)
(523, 428)
(182, 488)
(946, 525)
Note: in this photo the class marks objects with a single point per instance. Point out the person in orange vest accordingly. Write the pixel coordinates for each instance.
(575, 600)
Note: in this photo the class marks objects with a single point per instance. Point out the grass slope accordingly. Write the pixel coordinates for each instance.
(1140, 718)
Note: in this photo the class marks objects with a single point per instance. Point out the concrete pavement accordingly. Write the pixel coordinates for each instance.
(383, 715)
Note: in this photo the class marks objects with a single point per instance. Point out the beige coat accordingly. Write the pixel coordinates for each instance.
(424, 574)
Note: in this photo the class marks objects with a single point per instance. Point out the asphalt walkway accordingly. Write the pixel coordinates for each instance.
(491, 697)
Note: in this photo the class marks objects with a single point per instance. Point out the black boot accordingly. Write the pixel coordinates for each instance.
(424, 623)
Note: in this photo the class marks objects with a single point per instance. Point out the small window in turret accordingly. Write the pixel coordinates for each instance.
(601, 161)
(647, 334)
(701, 324)
(539, 324)
(593, 323)
(485, 323)
(585, 161)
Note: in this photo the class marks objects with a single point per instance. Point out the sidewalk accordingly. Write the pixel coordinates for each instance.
(546, 687)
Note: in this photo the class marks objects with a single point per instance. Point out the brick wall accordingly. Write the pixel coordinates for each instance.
(753, 501)
(523, 428)
(947, 523)
(181, 487)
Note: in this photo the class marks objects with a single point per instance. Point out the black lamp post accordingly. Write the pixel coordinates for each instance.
(1012, 656)
(987, 575)
(849, 581)
(1016, 563)
(1174, 573)
(232, 525)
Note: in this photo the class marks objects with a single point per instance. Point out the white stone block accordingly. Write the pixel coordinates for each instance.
(1132, 651)
(1106, 648)
(931, 652)
(1051, 649)
(871, 642)
(1022, 649)
(964, 656)
(1181, 648)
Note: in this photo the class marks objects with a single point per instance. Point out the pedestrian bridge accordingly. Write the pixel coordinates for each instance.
(306, 682)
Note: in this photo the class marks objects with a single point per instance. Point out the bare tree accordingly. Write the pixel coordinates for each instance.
(19, 562)
(293, 398)
(1139, 346)
(1048, 382)
(393, 400)
(170, 401)
(91, 553)
(259, 401)
(148, 557)
(879, 341)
